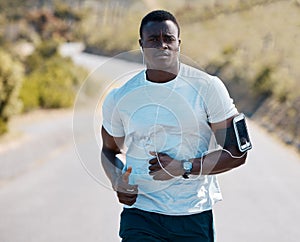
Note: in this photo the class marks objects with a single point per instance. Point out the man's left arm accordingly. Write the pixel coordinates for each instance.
(225, 159)
(215, 162)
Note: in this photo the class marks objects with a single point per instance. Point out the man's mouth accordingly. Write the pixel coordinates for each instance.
(162, 54)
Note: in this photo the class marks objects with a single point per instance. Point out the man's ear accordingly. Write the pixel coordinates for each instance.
(141, 46)
(179, 42)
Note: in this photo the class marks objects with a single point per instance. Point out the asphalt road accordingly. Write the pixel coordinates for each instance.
(48, 194)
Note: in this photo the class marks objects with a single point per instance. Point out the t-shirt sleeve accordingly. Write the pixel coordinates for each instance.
(112, 122)
(218, 103)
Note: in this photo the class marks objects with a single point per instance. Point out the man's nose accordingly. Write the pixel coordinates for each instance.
(162, 45)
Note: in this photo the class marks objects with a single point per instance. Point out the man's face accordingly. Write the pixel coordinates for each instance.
(160, 43)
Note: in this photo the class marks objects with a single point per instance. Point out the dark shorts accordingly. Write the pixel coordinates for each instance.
(137, 225)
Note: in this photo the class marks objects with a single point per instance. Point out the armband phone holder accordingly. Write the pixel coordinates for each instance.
(241, 133)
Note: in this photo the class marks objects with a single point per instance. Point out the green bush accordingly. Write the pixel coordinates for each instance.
(43, 51)
(29, 93)
(64, 12)
(52, 83)
(49, 86)
(3, 126)
(11, 76)
(262, 83)
(56, 87)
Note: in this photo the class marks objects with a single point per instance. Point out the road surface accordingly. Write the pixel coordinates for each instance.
(46, 193)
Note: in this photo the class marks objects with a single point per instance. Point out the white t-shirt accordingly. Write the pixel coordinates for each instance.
(171, 118)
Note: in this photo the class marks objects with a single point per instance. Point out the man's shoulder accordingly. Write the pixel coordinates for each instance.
(133, 83)
(195, 75)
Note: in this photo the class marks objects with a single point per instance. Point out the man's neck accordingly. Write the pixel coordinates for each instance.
(161, 76)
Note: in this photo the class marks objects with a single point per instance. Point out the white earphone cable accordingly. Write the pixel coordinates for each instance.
(201, 162)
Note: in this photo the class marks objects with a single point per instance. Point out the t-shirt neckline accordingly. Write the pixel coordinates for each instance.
(171, 82)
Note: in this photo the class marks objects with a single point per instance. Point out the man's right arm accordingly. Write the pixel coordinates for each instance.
(126, 193)
(110, 148)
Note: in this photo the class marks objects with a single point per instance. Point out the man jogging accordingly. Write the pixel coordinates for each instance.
(174, 123)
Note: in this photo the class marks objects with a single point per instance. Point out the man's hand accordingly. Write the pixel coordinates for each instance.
(171, 167)
(126, 193)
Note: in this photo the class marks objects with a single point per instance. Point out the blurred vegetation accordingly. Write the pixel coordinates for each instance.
(114, 26)
(51, 80)
(11, 74)
(32, 73)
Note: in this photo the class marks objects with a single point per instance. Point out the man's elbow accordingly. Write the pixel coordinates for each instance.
(241, 161)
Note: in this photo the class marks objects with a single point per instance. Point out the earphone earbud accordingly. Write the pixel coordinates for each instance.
(141, 48)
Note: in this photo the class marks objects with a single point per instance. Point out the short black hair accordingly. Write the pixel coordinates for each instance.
(158, 16)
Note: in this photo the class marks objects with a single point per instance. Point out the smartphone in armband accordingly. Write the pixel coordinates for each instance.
(241, 133)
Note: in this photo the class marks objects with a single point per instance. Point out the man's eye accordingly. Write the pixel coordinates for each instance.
(153, 39)
(169, 39)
